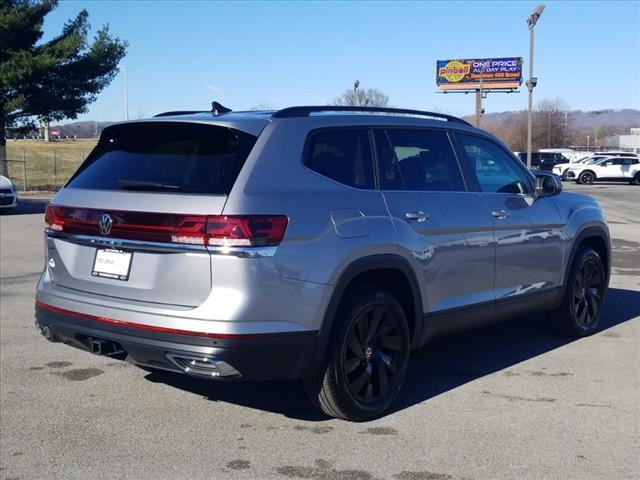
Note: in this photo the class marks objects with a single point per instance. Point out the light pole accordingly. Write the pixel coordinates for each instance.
(356, 84)
(533, 81)
(126, 92)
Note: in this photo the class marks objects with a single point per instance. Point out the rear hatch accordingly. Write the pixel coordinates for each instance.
(134, 221)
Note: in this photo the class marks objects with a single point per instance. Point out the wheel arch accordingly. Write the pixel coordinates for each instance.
(595, 237)
(387, 270)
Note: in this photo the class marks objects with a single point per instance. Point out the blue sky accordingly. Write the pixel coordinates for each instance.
(184, 54)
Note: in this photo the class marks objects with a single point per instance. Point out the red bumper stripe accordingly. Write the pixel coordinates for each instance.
(140, 326)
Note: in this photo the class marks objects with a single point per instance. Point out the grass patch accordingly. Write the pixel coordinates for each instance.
(48, 165)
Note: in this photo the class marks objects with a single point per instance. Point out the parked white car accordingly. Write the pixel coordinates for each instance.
(608, 168)
(8, 194)
(561, 168)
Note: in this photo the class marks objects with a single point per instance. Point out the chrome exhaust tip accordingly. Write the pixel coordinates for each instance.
(44, 330)
(209, 367)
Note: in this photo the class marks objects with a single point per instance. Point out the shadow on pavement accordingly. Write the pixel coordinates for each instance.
(442, 365)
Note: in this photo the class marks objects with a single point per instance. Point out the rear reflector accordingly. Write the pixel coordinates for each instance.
(217, 230)
(152, 328)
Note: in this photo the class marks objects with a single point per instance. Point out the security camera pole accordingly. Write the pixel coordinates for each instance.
(356, 84)
(531, 21)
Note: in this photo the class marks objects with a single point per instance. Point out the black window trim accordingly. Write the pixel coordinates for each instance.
(447, 131)
(305, 150)
(530, 176)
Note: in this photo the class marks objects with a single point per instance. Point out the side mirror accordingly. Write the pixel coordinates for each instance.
(547, 184)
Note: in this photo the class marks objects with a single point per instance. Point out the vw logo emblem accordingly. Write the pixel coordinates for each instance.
(104, 224)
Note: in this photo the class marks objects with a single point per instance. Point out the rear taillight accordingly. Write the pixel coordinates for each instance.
(53, 218)
(246, 231)
(215, 230)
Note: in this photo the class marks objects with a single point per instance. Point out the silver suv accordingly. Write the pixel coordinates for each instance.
(320, 243)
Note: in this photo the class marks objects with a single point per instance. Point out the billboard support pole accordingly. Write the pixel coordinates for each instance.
(478, 107)
(479, 94)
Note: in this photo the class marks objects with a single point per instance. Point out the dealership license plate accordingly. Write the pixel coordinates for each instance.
(110, 263)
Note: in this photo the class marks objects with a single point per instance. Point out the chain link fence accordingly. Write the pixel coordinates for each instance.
(43, 169)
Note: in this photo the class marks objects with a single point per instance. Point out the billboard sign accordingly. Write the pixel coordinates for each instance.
(465, 74)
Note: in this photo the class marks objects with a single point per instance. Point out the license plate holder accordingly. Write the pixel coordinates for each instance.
(112, 263)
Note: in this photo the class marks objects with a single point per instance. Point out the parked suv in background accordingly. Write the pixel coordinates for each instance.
(610, 169)
(543, 160)
(561, 169)
(321, 243)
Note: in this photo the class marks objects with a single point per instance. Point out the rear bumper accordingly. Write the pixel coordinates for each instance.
(272, 356)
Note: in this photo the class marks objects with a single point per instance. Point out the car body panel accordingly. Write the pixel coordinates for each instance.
(460, 259)
(452, 252)
(529, 245)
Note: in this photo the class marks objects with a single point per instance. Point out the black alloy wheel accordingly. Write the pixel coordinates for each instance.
(587, 178)
(366, 359)
(587, 293)
(371, 354)
(579, 311)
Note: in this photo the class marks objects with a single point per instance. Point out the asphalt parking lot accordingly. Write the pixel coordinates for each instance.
(510, 401)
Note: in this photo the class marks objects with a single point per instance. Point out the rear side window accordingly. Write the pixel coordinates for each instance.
(342, 155)
(417, 160)
(166, 157)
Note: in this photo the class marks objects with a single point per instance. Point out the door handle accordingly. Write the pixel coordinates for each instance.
(500, 214)
(419, 217)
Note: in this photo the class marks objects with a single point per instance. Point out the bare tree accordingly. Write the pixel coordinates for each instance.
(551, 124)
(371, 97)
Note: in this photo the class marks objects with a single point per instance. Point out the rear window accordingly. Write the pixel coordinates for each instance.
(166, 157)
(342, 155)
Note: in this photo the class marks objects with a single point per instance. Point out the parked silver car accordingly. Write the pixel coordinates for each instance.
(321, 243)
(8, 194)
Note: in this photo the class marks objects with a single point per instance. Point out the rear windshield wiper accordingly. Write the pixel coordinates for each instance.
(147, 186)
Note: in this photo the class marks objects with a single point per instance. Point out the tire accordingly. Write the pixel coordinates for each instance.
(636, 179)
(579, 312)
(367, 357)
(565, 176)
(587, 178)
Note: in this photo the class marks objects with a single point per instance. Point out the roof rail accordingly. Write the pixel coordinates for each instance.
(306, 111)
(177, 112)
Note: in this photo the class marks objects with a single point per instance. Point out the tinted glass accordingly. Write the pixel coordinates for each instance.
(630, 161)
(167, 157)
(342, 155)
(417, 160)
(496, 171)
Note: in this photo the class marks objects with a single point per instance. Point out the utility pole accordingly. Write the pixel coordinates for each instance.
(356, 84)
(532, 82)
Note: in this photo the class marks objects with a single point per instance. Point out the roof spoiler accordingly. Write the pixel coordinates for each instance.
(216, 109)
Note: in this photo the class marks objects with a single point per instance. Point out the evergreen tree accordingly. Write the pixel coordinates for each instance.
(42, 82)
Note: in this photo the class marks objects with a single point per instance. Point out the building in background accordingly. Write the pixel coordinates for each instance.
(628, 143)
